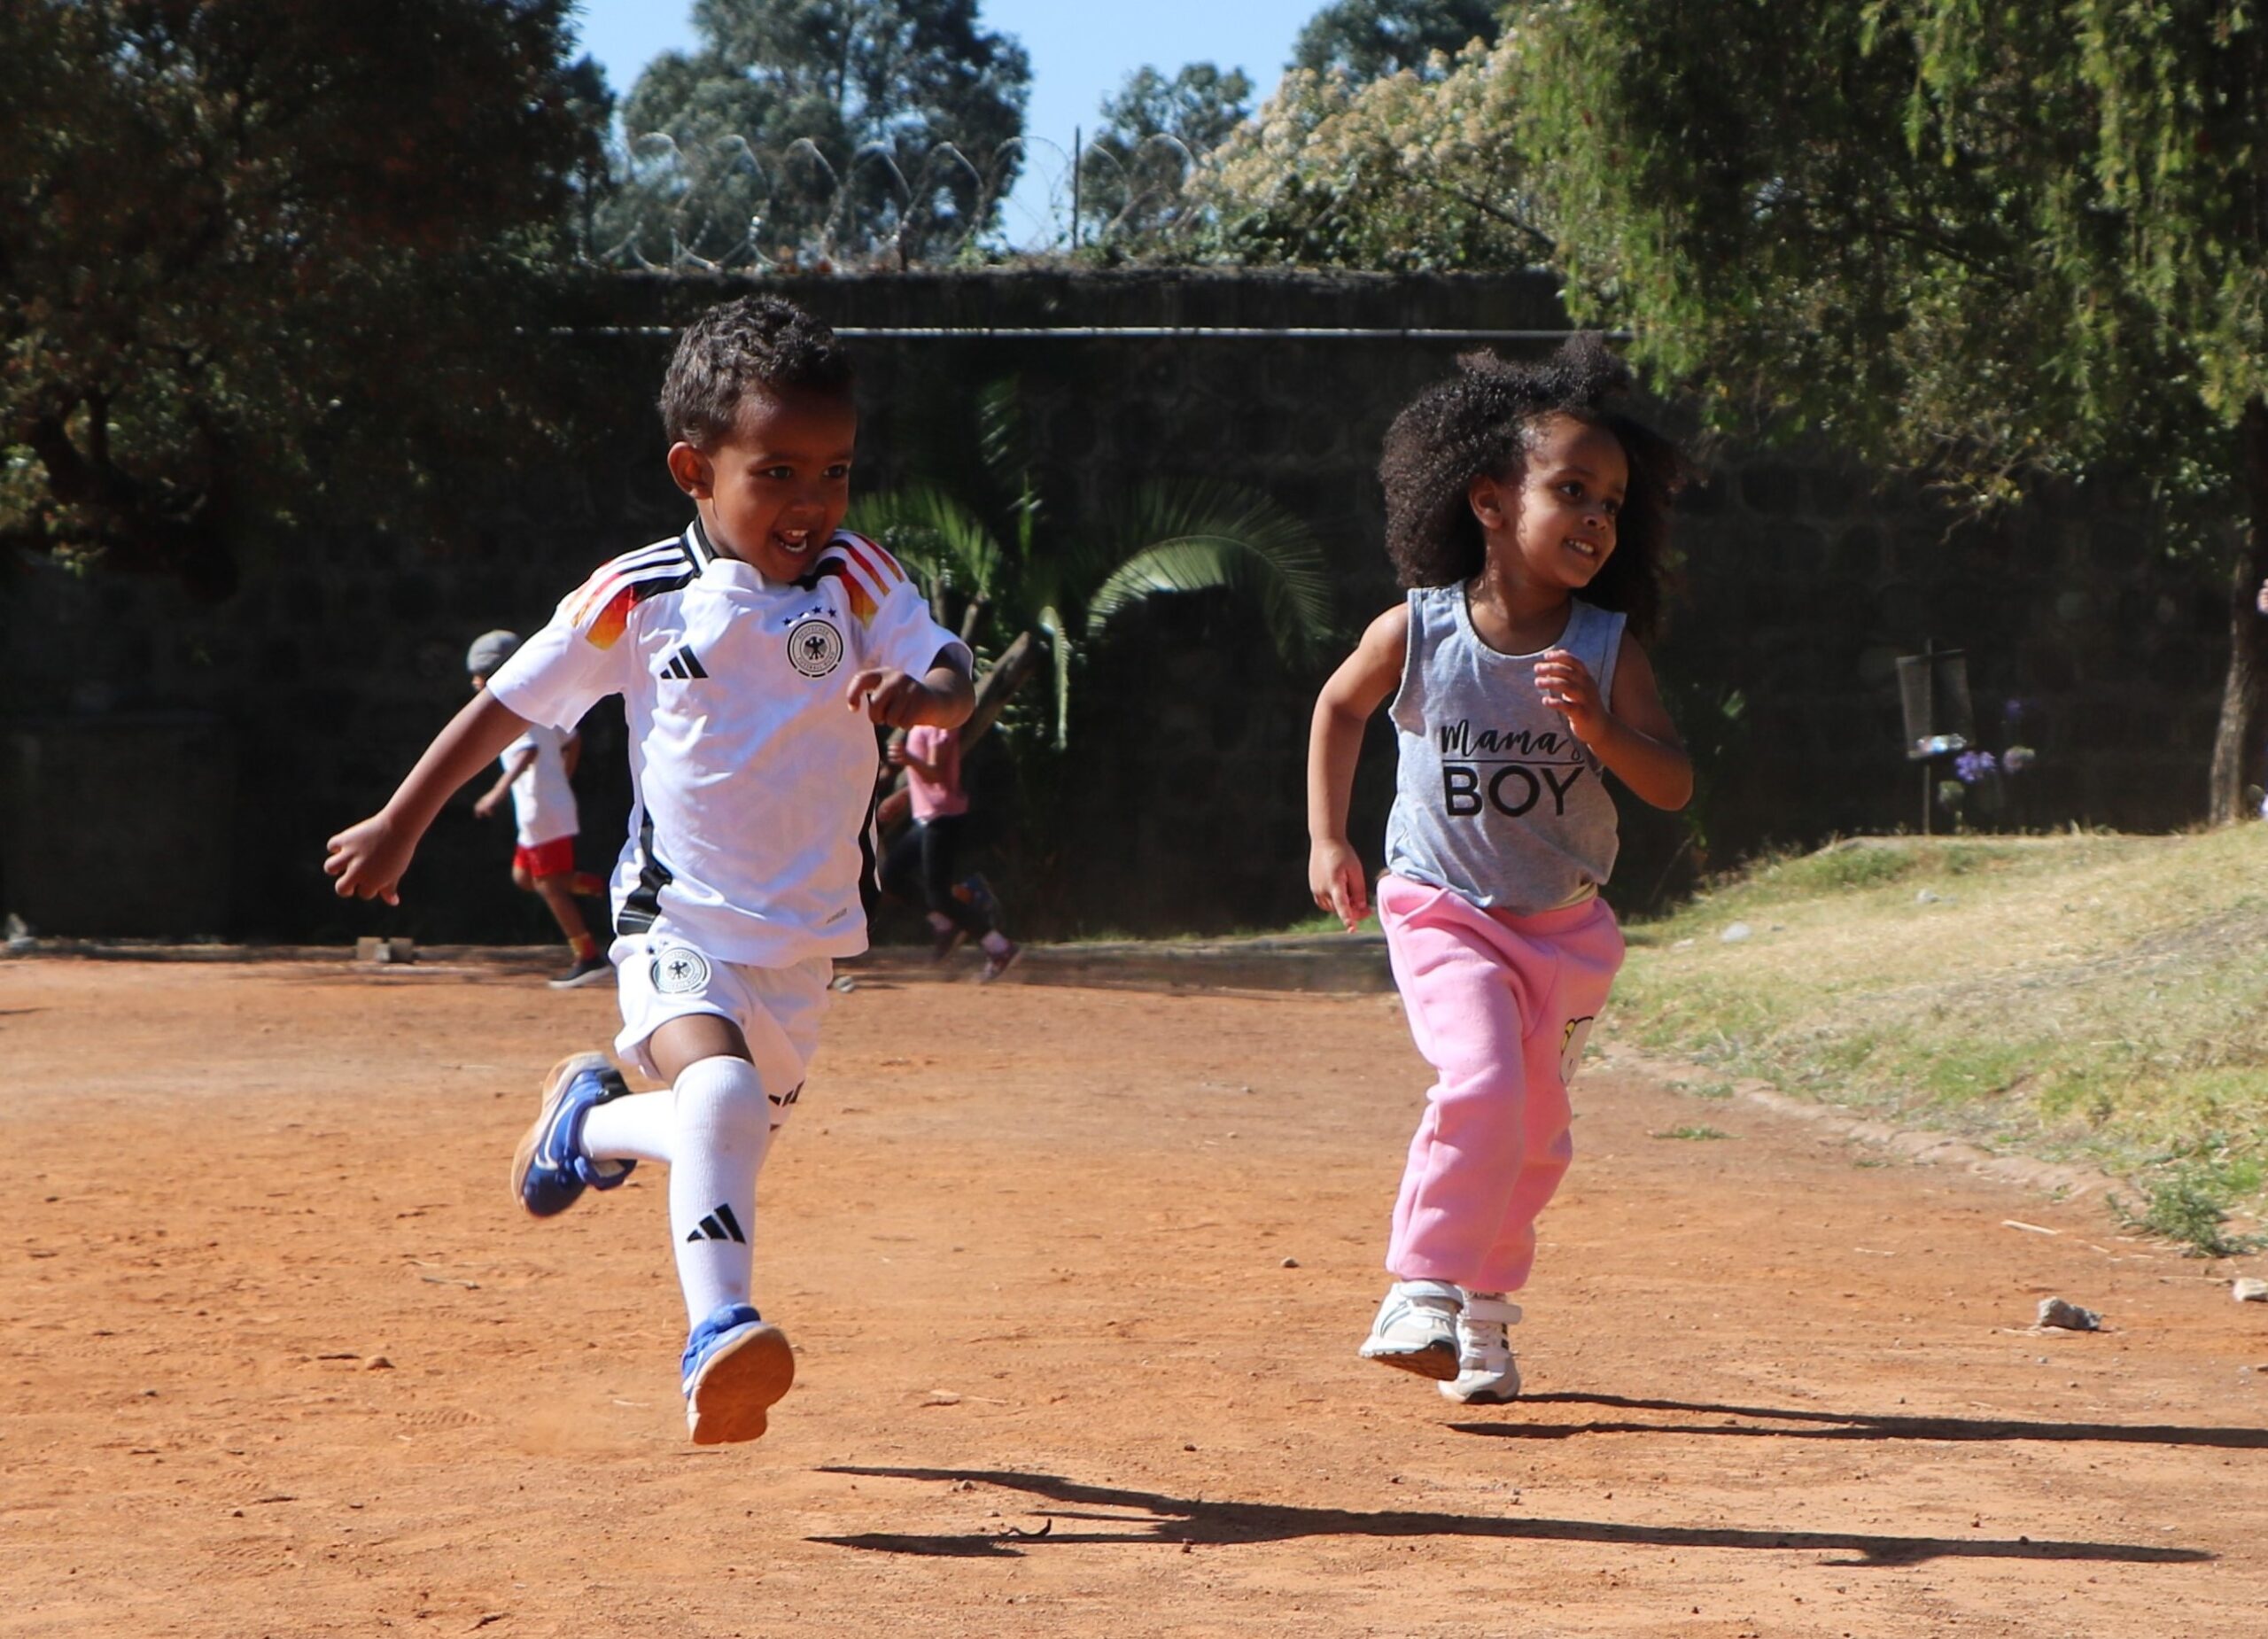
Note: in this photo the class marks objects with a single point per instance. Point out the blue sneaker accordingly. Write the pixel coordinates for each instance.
(549, 1169)
(736, 1364)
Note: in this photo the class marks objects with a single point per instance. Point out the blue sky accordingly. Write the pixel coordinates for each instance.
(1080, 54)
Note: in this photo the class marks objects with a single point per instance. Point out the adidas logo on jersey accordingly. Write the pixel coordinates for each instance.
(684, 664)
(717, 1226)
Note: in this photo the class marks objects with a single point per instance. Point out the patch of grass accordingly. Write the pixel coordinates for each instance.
(1962, 1070)
(1847, 865)
(2189, 1205)
(1692, 1132)
(2090, 995)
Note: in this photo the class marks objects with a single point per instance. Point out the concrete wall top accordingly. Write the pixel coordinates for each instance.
(1074, 296)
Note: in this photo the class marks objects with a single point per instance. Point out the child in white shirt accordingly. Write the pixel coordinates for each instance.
(752, 654)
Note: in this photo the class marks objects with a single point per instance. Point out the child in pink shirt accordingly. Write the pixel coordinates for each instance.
(919, 867)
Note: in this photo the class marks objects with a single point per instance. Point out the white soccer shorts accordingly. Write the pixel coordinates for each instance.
(662, 976)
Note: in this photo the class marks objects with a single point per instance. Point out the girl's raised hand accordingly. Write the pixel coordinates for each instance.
(1569, 688)
(1336, 879)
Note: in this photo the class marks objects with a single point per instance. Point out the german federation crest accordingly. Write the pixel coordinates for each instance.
(680, 971)
(814, 646)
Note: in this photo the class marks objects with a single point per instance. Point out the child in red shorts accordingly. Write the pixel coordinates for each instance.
(536, 771)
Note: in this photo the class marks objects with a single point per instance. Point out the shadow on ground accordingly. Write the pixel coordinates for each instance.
(1851, 1426)
(1149, 1517)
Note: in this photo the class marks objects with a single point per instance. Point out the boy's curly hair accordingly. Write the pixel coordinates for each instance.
(753, 345)
(1481, 421)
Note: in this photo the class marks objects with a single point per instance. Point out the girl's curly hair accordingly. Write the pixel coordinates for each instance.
(1481, 421)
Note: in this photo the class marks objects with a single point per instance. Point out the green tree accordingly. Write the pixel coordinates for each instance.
(1987, 241)
(875, 130)
(1369, 39)
(1398, 173)
(1036, 589)
(262, 260)
(1154, 132)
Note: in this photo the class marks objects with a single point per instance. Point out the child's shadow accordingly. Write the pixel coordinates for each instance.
(1147, 1516)
(1761, 1422)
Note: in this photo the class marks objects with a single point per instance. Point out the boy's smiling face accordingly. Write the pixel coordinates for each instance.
(773, 492)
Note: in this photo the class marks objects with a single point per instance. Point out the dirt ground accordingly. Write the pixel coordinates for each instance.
(1076, 1278)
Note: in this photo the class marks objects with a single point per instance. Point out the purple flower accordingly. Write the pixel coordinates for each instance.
(2014, 711)
(1970, 766)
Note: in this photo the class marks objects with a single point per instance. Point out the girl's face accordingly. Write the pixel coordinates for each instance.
(1560, 523)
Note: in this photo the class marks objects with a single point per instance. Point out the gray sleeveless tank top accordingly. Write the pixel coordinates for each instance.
(1493, 797)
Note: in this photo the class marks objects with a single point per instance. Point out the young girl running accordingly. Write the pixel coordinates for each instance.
(1509, 489)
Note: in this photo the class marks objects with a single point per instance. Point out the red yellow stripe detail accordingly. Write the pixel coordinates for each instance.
(854, 592)
(603, 631)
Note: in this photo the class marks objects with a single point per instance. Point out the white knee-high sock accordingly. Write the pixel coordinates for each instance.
(721, 1128)
(637, 1127)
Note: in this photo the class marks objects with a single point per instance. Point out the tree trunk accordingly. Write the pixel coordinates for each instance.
(2234, 751)
(999, 685)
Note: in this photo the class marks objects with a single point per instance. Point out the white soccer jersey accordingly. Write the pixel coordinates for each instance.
(752, 778)
(543, 801)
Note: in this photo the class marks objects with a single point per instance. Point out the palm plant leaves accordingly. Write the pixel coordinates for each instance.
(933, 534)
(1206, 536)
(1065, 585)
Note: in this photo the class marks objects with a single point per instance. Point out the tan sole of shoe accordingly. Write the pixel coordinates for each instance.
(738, 1386)
(525, 1153)
(1437, 1364)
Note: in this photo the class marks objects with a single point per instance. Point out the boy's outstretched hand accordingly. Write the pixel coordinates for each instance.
(901, 700)
(369, 859)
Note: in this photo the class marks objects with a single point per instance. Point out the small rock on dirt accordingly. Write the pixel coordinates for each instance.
(2249, 1289)
(1735, 934)
(2068, 1317)
(1291, 1263)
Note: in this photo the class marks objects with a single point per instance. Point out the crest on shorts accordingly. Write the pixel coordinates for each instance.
(814, 646)
(680, 971)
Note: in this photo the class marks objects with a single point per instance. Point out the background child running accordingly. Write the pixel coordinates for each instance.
(1509, 489)
(752, 654)
(537, 780)
(919, 867)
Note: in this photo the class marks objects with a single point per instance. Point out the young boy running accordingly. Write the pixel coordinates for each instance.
(752, 653)
(537, 780)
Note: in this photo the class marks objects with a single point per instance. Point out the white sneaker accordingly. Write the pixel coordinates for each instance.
(1416, 1329)
(1486, 1374)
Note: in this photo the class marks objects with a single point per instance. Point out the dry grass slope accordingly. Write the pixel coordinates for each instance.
(2086, 996)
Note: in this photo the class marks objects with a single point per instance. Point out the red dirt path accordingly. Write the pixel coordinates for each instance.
(283, 1359)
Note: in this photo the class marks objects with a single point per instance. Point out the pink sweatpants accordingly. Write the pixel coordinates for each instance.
(1499, 1006)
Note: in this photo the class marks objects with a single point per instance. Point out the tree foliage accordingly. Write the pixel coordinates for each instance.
(1409, 171)
(1369, 39)
(258, 260)
(867, 129)
(1979, 239)
(1156, 131)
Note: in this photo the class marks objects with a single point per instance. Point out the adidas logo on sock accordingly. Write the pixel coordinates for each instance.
(684, 664)
(718, 1226)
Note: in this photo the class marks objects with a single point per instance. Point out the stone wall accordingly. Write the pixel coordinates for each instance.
(195, 759)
